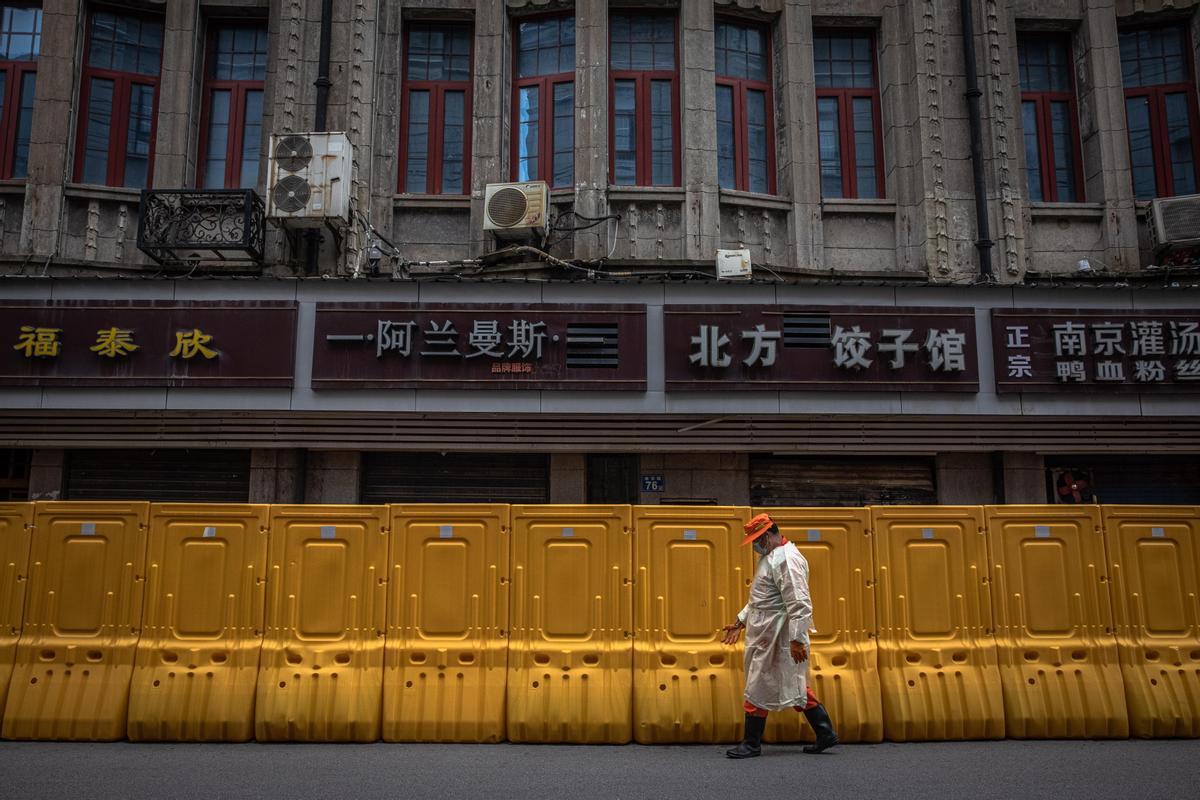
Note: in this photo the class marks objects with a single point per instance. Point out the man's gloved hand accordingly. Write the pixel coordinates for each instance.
(732, 632)
(799, 652)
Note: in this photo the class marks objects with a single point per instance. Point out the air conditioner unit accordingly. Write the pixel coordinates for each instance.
(308, 179)
(516, 210)
(1175, 221)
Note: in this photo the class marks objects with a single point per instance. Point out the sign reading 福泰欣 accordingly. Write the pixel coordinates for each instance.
(448, 346)
(1054, 350)
(147, 343)
(820, 348)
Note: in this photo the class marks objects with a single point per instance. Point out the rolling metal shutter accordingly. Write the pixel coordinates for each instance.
(161, 476)
(455, 478)
(844, 481)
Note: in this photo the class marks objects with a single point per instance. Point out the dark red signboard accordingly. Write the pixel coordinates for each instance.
(820, 347)
(147, 343)
(448, 346)
(1058, 350)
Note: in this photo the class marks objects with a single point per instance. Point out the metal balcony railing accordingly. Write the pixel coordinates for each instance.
(187, 226)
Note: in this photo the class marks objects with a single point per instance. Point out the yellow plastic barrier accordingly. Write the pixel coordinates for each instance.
(321, 674)
(1155, 557)
(16, 522)
(444, 672)
(1054, 636)
(693, 579)
(83, 612)
(571, 648)
(197, 662)
(843, 669)
(937, 658)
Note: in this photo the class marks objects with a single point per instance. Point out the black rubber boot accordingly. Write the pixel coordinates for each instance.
(751, 746)
(822, 725)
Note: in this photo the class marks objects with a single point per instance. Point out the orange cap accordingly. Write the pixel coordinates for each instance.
(757, 527)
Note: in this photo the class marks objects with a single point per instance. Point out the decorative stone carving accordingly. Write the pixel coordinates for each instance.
(91, 242)
(937, 149)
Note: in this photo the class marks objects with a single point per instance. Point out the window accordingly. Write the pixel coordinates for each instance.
(848, 129)
(435, 133)
(233, 106)
(745, 134)
(20, 42)
(544, 107)
(1160, 112)
(119, 100)
(643, 136)
(1049, 119)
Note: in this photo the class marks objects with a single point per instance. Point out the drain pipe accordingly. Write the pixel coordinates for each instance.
(320, 123)
(983, 240)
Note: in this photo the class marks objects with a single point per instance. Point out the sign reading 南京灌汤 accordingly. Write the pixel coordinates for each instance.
(820, 348)
(1053, 350)
(147, 343)
(449, 346)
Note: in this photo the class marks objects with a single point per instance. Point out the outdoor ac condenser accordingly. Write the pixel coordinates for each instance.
(1175, 221)
(308, 179)
(516, 210)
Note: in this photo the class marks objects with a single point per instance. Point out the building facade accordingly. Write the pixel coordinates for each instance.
(957, 295)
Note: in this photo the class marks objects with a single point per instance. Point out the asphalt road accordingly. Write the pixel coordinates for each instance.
(1126, 769)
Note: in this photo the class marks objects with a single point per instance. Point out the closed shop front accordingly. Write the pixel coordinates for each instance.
(1155, 480)
(841, 481)
(455, 478)
(160, 476)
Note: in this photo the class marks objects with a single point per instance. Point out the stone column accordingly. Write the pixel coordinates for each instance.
(799, 161)
(568, 478)
(698, 134)
(275, 476)
(389, 45)
(591, 124)
(491, 113)
(47, 474)
(1105, 139)
(964, 479)
(1000, 104)
(1024, 478)
(54, 124)
(178, 97)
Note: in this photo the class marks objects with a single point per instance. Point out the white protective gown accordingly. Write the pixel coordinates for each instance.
(779, 612)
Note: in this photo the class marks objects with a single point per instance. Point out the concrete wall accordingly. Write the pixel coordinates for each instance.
(924, 227)
(723, 477)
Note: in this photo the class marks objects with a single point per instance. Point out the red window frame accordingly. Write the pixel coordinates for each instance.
(10, 113)
(1164, 179)
(741, 129)
(845, 95)
(545, 84)
(237, 107)
(123, 83)
(1043, 101)
(437, 118)
(643, 80)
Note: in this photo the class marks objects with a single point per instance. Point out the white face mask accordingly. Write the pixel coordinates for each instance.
(760, 545)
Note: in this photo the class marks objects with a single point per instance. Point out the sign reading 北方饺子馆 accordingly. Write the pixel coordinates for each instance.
(147, 343)
(459, 346)
(820, 348)
(1056, 350)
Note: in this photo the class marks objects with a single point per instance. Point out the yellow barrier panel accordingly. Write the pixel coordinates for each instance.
(571, 647)
(1054, 636)
(693, 579)
(937, 658)
(321, 678)
(16, 522)
(843, 669)
(1155, 557)
(197, 661)
(446, 658)
(83, 613)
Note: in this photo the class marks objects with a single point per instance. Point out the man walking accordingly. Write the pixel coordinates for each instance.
(777, 620)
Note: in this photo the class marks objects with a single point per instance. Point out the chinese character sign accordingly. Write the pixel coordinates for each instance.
(1047, 350)
(805, 348)
(402, 345)
(148, 343)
